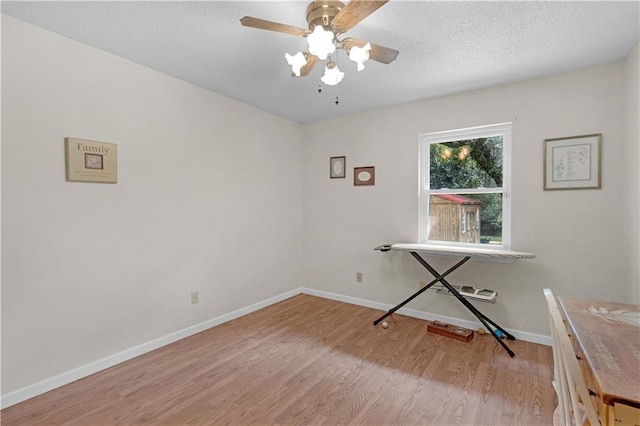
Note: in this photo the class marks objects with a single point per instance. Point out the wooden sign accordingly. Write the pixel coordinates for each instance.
(91, 161)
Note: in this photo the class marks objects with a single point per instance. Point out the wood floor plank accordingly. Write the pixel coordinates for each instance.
(308, 360)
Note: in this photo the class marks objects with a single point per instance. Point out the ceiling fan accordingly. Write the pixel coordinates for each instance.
(327, 20)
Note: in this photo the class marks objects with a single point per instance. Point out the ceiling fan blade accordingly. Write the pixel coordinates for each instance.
(354, 12)
(311, 61)
(378, 53)
(262, 24)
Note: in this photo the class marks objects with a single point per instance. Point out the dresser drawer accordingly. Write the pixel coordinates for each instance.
(625, 415)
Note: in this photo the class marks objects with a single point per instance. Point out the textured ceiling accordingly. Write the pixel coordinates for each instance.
(445, 47)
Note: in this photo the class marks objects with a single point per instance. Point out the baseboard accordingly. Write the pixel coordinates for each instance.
(62, 379)
(521, 335)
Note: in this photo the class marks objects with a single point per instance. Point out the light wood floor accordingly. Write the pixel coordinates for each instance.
(309, 360)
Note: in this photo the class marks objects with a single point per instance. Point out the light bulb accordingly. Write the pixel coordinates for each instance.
(321, 42)
(332, 74)
(296, 61)
(360, 55)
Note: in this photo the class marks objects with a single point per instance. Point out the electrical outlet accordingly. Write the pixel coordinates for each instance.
(422, 284)
(194, 298)
(359, 277)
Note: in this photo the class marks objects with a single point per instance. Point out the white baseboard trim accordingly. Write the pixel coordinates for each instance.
(62, 379)
(522, 335)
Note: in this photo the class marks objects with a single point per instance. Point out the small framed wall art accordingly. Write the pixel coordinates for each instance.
(337, 167)
(363, 176)
(91, 161)
(572, 162)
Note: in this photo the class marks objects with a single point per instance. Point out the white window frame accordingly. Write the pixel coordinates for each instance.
(425, 141)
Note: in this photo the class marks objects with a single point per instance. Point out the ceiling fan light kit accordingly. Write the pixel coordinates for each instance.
(321, 42)
(332, 74)
(296, 62)
(360, 55)
(326, 21)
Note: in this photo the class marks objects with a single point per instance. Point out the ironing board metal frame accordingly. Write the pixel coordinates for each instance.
(467, 254)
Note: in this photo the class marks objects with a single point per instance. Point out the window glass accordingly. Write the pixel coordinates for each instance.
(464, 186)
(466, 163)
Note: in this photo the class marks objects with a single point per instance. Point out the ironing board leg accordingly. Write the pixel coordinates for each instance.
(483, 318)
(417, 293)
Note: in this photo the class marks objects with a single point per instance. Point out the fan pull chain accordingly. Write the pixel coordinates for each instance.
(337, 101)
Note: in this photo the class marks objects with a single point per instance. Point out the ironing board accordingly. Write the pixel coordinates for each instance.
(467, 253)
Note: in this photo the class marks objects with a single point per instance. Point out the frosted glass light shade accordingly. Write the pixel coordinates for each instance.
(360, 55)
(321, 42)
(332, 74)
(296, 61)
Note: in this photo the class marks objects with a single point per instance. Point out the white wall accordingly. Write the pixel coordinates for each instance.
(577, 234)
(208, 199)
(631, 158)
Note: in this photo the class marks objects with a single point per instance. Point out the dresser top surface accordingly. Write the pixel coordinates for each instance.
(609, 336)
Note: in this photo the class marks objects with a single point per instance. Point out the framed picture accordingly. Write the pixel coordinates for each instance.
(572, 162)
(364, 176)
(91, 161)
(337, 167)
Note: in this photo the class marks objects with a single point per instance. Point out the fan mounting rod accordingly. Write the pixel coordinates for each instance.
(322, 12)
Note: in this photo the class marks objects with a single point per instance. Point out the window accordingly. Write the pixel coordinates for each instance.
(463, 222)
(464, 186)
